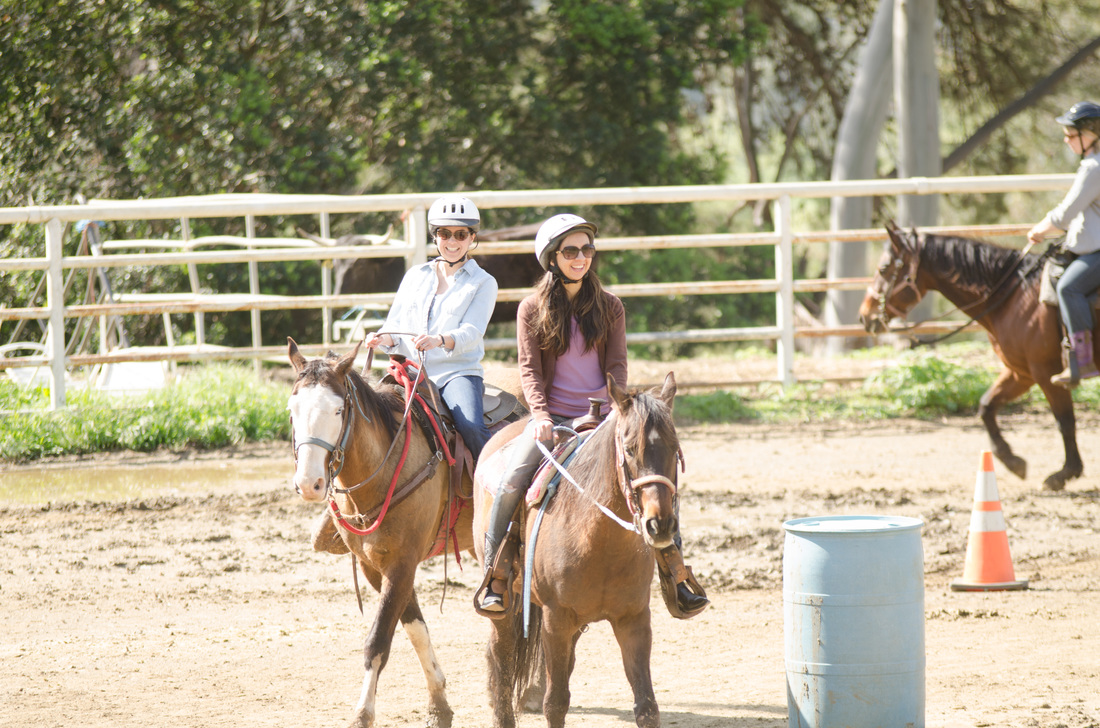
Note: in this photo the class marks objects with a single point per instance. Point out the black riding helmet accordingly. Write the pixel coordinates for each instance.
(1078, 113)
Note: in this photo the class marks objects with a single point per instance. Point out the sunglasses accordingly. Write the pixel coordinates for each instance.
(572, 252)
(459, 235)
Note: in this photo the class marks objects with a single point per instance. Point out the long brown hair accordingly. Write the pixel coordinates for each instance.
(555, 312)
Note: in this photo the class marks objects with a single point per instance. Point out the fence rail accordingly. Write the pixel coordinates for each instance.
(414, 246)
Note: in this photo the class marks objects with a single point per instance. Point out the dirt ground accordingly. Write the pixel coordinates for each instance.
(208, 610)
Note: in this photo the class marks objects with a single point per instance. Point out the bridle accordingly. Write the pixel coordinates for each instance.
(335, 460)
(895, 269)
(631, 486)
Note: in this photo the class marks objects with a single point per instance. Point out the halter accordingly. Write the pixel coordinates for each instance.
(631, 487)
(996, 296)
(336, 460)
(336, 455)
(910, 283)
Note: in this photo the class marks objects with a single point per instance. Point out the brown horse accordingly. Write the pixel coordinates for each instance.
(343, 430)
(1001, 291)
(586, 565)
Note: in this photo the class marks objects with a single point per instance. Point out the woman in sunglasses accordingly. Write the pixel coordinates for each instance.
(440, 312)
(571, 332)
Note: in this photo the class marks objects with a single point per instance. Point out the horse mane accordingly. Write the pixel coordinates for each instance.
(378, 404)
(597, 473)
(968, 261)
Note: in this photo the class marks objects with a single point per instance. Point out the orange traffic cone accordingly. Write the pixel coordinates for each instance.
(988, 563)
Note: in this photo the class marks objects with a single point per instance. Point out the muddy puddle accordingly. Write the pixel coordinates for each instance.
(98, 481)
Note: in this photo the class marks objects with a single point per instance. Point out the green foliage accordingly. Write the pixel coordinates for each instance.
(209, 406)
(927, 384)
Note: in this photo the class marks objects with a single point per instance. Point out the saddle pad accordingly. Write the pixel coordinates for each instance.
(547, 473)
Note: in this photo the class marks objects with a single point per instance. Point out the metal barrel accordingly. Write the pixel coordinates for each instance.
(853, 612)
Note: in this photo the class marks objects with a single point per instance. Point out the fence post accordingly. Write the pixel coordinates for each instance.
(326, 284)
(784, 298)
(193, 277)
(254, 290)
(55, 301)
(417, 226)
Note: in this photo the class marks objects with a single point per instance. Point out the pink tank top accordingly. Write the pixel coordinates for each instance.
(577, 376)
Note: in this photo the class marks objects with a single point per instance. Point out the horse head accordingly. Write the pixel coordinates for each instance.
(320, 416)
(895, 290)
(647, 453)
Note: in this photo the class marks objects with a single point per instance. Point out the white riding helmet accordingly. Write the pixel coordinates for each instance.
(453, 210)
(553, 230)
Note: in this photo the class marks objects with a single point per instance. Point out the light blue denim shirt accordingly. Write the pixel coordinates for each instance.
(461, 312)
(1079, 213)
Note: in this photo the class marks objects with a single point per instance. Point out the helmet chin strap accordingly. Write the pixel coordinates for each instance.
(562, 277)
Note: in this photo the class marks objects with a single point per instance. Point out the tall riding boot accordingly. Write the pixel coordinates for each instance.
(504, 506)
(326, 537)
(492, 601)
(1079, 360)
(684, 595)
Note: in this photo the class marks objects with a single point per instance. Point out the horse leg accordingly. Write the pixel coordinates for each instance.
(1009, 386)
(559, 643)
(439, 711)
(395, 588)
(1061, 404)
(501, 656)
(635, 637)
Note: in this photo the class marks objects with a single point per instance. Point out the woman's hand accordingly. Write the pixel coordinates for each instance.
(427, 342)
(375, 340)
(544, 430)
(1036, 234)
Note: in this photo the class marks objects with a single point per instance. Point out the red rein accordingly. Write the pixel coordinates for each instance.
(401, 374)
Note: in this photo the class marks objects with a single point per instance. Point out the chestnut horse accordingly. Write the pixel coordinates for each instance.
(343, 430)
(1001, 290)
(593, 554)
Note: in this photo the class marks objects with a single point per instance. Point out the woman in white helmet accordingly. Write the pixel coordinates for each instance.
(440, 312)
(570, 333)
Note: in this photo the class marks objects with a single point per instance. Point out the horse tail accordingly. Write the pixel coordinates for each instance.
(530, 675)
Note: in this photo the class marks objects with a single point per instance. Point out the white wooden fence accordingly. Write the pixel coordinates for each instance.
(414, 249)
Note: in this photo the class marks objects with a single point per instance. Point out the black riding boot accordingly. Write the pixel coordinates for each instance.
(684, 595)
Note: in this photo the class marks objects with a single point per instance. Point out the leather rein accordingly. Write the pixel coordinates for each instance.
(335, 459)
(994, 298)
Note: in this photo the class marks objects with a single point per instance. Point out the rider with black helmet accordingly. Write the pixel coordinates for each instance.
(1078, 216)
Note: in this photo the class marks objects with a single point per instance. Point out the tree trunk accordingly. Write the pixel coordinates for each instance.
(916, 91)
(855, 158)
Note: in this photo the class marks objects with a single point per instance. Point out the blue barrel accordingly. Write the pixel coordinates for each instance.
(853, 611)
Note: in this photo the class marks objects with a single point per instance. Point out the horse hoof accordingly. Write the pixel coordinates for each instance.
(1054, 483)
(362, 719)
(438, 718)
(1015, 464)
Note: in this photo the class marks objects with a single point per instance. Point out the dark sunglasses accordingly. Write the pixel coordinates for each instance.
(459, 235)
(572, 251)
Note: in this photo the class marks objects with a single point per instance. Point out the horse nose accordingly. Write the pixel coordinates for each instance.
(661, 531)
(310, 491)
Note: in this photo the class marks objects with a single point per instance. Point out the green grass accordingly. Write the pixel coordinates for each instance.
(206, 407)
(224, 404)
(923, 384)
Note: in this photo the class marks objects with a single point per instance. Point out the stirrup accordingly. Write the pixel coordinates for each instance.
(673, 572)
(499, 577)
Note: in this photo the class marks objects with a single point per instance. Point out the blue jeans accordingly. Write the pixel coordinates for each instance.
(463, 397)
(1081, 278)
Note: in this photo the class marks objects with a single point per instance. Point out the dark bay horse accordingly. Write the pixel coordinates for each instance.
(987, 282)
(587, 566)
(343, 430)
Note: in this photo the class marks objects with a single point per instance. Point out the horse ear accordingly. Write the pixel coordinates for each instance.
(296, 359)
(619, 396)
(347, 361)
(668, 390)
